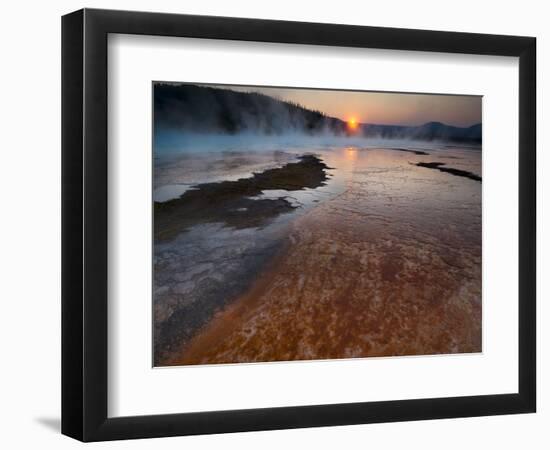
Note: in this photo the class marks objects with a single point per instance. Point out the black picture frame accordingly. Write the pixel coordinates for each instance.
(84, 224)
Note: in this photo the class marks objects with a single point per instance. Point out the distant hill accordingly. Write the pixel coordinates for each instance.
(427, 132)
(206, 109)
(201, 109)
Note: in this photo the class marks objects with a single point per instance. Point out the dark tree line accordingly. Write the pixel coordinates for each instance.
(203, 109)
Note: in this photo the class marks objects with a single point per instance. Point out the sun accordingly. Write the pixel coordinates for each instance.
(352, 124)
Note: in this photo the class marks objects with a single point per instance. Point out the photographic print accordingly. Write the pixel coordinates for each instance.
(306, 224)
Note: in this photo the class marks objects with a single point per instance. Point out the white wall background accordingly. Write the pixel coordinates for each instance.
(30, 236)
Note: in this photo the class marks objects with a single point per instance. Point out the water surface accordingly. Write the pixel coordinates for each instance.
(382, 258)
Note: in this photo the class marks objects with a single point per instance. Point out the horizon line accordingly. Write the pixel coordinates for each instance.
(241, 87)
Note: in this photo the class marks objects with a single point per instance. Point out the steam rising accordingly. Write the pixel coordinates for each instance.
(192, 117)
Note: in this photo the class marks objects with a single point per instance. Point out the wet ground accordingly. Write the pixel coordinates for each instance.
(380, 256)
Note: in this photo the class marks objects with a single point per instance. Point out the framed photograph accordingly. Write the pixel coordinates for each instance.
(273, 224)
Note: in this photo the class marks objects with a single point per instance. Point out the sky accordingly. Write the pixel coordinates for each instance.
(381, 107)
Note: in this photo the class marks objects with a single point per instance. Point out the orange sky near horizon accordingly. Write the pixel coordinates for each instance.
(380, 107)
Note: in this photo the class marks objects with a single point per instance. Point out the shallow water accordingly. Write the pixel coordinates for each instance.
(384, 259)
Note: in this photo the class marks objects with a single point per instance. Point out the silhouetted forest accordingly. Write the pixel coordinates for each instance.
(203, 109)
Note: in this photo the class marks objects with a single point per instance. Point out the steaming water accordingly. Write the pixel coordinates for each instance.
(378, 214)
